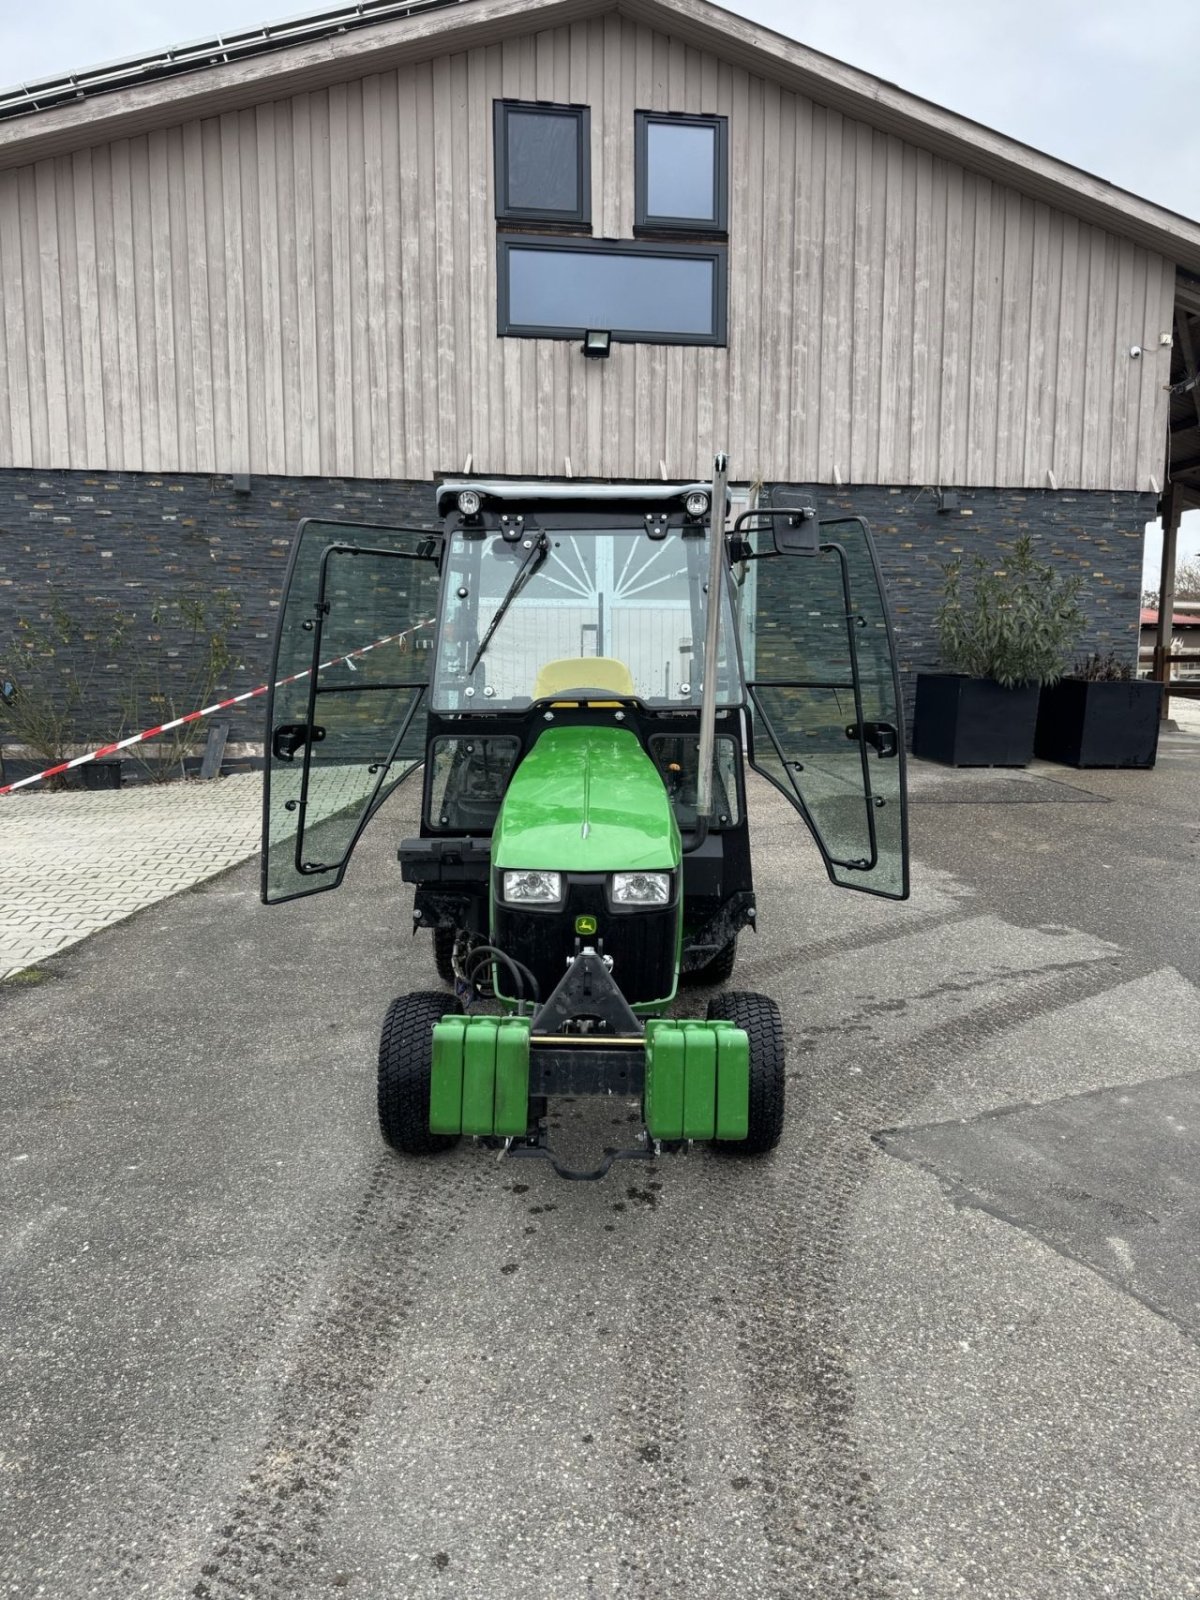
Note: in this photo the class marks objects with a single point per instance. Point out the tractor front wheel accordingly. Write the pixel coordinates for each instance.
(717, 969)
(405, 1064)
(443, 953)
(759, 1016)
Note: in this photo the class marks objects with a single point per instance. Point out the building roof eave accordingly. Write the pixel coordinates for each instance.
(288, 68)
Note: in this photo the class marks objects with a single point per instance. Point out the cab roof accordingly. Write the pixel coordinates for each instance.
(572, 493)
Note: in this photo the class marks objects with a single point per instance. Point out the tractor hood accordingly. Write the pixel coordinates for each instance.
(587, 800)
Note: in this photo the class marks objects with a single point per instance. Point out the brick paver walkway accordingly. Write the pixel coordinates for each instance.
(75, 862)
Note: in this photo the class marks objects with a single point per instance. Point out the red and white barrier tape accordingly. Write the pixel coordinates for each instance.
(206, 711)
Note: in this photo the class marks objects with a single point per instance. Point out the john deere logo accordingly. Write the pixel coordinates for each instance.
(585, 925)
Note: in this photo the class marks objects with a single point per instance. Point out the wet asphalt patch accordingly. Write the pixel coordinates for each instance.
(1110, 1179)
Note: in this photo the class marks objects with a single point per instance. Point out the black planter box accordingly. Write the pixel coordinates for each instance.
(973, 722)
(101, 775)
(1099, 724)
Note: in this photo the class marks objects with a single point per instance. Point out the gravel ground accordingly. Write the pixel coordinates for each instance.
(248, 1352)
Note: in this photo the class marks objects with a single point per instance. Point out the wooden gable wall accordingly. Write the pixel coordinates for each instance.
(309, 287)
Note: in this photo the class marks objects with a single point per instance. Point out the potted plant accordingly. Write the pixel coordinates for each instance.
(1002, 635)
(1100, 715)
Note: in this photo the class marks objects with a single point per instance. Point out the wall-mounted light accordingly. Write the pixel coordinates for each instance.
(597, 343)
(241, 483)
(947, 500)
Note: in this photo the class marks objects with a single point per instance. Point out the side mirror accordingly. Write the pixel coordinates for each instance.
(796, 530)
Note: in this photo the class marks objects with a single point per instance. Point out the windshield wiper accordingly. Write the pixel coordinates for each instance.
(526, 571)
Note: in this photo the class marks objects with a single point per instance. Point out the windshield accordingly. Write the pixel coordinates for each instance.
(635, 603)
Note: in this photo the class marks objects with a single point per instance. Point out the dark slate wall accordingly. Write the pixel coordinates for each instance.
(121, 541)
(1093, 533)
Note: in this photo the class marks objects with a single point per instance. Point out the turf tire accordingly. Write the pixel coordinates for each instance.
(718, 970)
(759, 1016)
(405, 1061)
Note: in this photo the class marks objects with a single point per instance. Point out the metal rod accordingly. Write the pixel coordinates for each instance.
(708, 705)
(1172, 512)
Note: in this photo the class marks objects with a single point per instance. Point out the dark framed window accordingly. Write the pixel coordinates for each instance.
(641, 293)
(681, 173)
(543, 163)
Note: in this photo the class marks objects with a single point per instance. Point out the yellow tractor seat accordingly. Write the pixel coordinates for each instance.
(584, 672)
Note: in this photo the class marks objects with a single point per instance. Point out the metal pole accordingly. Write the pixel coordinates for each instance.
(1166, 596)
(708, 704)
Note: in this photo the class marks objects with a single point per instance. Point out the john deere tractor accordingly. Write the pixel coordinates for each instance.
(582, 673)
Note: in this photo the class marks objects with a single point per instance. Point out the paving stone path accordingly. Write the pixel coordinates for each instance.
(75, 862)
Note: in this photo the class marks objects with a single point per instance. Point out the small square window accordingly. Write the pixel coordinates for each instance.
(682, 173)
(543, 163)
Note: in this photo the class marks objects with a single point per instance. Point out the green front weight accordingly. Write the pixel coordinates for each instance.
(479, 1077)
(697, 1081)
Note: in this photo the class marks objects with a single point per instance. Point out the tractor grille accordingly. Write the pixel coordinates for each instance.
(641, 943)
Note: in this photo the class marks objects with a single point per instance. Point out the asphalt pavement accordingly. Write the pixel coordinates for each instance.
(942, 1343)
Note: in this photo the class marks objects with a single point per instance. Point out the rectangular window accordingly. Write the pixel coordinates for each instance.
(651, 294)
(682, 173)
(543, 163)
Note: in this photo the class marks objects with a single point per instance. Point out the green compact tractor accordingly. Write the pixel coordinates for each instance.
(582, 672)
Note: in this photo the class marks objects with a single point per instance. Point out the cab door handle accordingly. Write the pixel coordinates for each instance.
(292, 736)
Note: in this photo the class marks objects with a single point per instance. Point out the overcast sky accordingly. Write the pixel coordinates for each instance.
(1108, 85)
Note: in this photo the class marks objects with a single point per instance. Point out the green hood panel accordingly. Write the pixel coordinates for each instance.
(587, 800)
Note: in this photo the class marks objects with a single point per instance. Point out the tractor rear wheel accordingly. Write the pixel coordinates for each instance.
(443, 953)
(759, 1016)
(405, 1063)
(718, 969)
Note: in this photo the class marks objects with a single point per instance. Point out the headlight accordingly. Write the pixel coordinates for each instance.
(468, 503)
(697, 504)
(532, 888)
(641, 888)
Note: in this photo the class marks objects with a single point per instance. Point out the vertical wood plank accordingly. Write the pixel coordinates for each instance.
(44, 221)
(806, 386)
(436, 92)
(1037, 423)
(143, 284)
(199, 251)
(16, 373)
(925, 328)
(1126, 370)
(269, 309)
(304, 181)
(379, 453)
(458, 138)
(1067, 389)
(6, 439)
(253, 272)
(179, 303)
(126, 298)
(212, 139)
(74, 445)
(287, 271)
(161, 320)
(393, 342)
(339, 208)
(416, 454)
(896, 271)
(106, 298)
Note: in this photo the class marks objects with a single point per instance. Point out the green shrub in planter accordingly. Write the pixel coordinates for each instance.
(1010, 628)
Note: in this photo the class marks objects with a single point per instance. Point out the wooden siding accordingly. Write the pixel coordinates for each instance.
(308, 286)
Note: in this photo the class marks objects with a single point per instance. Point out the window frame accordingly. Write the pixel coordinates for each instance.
(645, 222)
(581, 217)
(716, 251)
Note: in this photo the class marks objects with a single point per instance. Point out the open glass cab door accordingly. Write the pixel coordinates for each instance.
(351, 666)
(823, 688)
